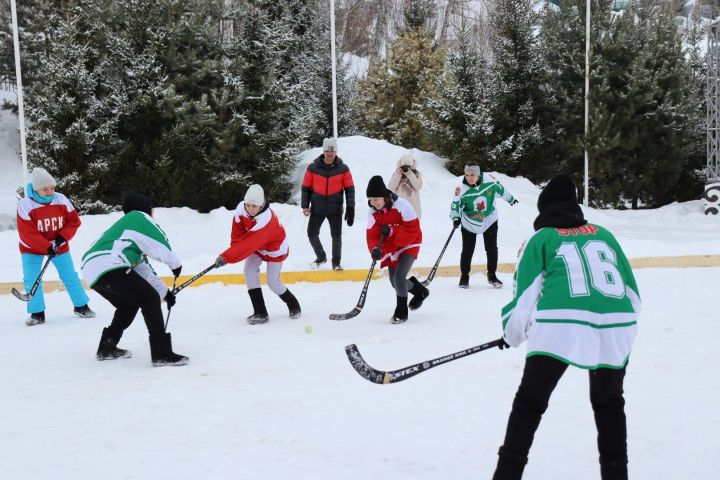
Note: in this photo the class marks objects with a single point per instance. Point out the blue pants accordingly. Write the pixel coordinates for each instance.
(32, 264)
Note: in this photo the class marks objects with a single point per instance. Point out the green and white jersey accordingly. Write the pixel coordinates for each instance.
(475, 206)
(574, 299)
(125, 245)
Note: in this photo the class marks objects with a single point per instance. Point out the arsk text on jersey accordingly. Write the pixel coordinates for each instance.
(50, 224)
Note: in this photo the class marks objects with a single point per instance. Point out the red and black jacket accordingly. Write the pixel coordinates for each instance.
(323, 187)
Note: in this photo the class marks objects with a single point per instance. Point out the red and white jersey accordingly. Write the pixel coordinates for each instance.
(39, 224)
(262, 235)
(405, 235)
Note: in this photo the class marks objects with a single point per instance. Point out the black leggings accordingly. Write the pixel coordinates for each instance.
(468, 248)
(540, 378)
(128, 293)
(398, 275)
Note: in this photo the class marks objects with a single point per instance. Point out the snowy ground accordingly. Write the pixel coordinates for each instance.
(271, 401)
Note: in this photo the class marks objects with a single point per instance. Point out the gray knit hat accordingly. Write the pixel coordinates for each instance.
(330, 144)
(40, 178)
(474, 169)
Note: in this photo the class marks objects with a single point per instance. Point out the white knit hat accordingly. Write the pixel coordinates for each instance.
(255, 195)
(330, 144)
(406, 160)
(40, 178)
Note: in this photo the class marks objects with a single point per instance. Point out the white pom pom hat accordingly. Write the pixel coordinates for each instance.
(255, 195)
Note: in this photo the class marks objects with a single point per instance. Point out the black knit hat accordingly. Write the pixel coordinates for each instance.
(376, 187)
(136, 201)
(560, 189)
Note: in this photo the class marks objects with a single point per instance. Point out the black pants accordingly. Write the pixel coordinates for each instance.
(468, 248)
(540, 378)
(128, 293)
(313, 232)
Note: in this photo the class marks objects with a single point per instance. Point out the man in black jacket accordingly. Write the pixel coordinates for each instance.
(326, 178)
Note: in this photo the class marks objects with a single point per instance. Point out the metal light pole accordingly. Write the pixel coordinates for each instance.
(587, 96)
(18, 78)
(332, 59)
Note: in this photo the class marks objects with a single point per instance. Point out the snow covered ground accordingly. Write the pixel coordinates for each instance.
(271, 401)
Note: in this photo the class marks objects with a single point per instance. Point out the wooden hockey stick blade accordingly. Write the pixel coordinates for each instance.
(21, 296)
(346, 316)
(394, 376)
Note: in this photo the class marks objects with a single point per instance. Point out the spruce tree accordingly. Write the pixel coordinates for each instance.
(515, 90)
(459, 122)
(393, 97)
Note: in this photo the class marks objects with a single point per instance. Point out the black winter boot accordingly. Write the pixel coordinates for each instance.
(260, 314)
(510, 466)
(613, 468)
(494, 281)
(401, 311)
(107, 350)
(464, 280)
(162, 354)
(292, 303)
(35, 319)
(419, 292)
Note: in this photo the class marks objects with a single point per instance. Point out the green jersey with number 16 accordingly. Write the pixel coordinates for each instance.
(575, 298)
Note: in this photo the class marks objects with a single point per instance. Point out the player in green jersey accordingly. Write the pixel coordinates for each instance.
(473, 209)
(576, 303)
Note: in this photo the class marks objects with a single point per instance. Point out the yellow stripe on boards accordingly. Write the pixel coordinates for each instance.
(320, 276)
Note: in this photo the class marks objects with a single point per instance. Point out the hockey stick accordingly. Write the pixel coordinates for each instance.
(25, 297)
(193, 279)
(169, 307)
(361, 302)
(394, 376)
(430, 277)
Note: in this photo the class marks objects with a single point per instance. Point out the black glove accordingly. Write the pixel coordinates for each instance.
(52, 251)
(456, 223)
(376, 253)
(503, 344)
(59, 240)
(514, 202)
(219, 262)
(170, 299)
(350, 216)
(176, 272)
(385, 230)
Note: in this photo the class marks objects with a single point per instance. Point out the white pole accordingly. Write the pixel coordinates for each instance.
(332, 58)
(18, 77)
(587, 96)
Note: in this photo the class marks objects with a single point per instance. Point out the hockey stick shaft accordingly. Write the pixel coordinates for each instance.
(363, 294)
(167, 320)
(193, 279)
(395, 376)
(25, 297)
(430, 277)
